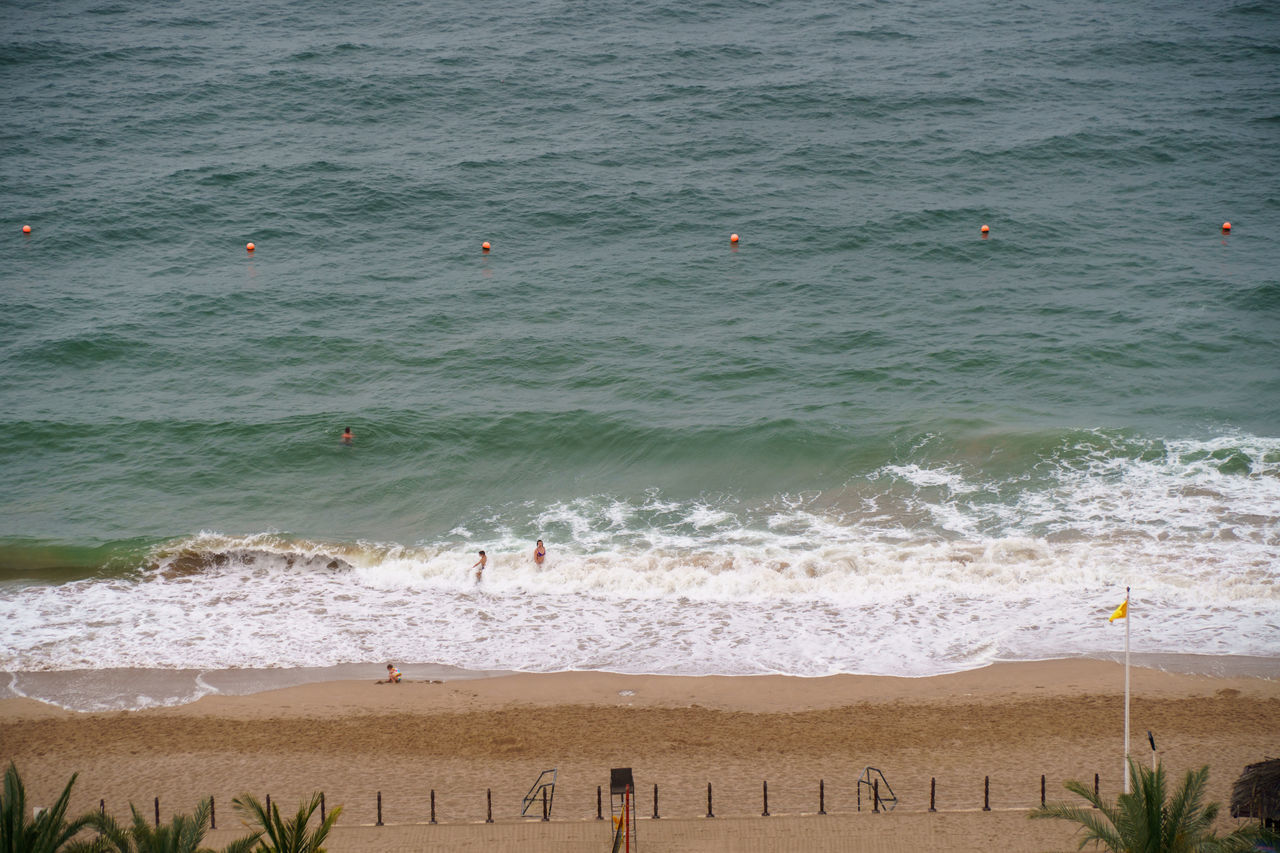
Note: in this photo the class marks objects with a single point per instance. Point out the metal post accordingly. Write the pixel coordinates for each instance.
(933, 790)
(822, 796)
(433, 805)
(599, 807)
(875, 796)
(213, 814)
(709, 812)
(655, 801)
(157, 811)
(1128, 619)
(765, 813)
(488, 795)
(546, 813)
(986, 793)
(379, 808)
(1041, 790)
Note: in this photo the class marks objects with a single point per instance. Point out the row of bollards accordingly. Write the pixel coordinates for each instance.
(876, 801)
(546, 809)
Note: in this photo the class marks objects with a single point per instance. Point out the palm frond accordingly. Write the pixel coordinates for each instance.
(48, 833)
(1097, 826)
(53, 830)
(291, 836)
(241, 845)
(1151, 819)
(13, 810)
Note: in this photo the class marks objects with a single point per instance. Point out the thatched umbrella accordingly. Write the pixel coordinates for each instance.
(1257, 793)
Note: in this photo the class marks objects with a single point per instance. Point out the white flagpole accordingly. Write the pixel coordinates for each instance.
(1128, 617)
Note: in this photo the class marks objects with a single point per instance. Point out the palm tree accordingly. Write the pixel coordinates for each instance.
(51, 832)
(1149, 821)
(287, 836)
(183, 834)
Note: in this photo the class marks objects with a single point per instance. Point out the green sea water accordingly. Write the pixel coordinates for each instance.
(862, 379)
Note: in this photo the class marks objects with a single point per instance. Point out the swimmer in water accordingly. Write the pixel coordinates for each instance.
(539, 552)
(347, 436)
(479, 566)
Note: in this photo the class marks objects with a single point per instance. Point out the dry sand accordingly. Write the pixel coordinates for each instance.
(1009, 722)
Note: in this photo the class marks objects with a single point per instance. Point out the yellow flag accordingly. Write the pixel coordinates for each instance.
(1121, 612)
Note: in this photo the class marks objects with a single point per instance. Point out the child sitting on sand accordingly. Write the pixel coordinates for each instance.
(393, 676)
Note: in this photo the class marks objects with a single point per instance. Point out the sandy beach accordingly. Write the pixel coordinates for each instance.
(353, 740)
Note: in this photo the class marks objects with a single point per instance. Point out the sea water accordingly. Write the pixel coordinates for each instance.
(864, 438)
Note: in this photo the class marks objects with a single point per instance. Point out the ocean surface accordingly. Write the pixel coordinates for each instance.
(865, 438)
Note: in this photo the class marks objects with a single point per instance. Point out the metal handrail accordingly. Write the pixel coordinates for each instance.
(533, 795)
(878, 799)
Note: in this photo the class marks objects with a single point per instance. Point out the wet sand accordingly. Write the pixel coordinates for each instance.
(353, 739)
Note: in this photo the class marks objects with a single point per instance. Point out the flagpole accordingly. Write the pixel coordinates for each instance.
(1128, 617)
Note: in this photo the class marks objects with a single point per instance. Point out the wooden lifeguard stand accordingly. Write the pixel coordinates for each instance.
(622, 807)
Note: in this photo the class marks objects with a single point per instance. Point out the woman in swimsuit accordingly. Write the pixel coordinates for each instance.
(539, 552)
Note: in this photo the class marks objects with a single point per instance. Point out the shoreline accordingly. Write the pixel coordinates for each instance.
(462, 741)
(93, 691)
(134, 689)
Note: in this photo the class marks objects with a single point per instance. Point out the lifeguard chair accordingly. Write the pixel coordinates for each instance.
(622, 807)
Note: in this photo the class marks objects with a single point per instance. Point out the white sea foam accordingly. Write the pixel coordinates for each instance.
(912, 572)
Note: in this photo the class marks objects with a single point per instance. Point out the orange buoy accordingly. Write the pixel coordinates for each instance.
(484, 246)
(1226, 226)
(26, 229)
(249, 247)
(985, 229)
(733, 238)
